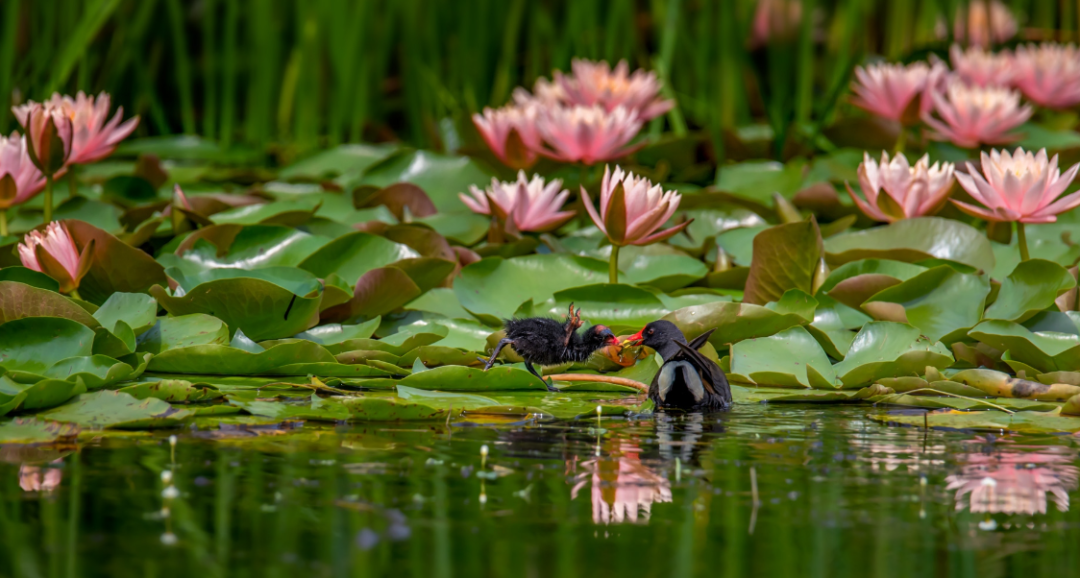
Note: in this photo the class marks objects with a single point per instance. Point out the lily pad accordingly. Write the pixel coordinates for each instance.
(115, 265)
(341, 161)
(1030, 288)
(137, 310)
(735, 322)
(29, 277)
(292, 213)
(336, 333)
(492, 289)
(34, 344)
(34, 431)
(785, 257)
(458, 378)
(942, 302)
(246, 247)
(183, 331)
(113, 409)
(225, 360)
(914, 240)
(1046, 352)
(19, 300)
(791, 358)
(993, 421)
(888, 349)
(353, 255)
(96, 371)
(442, 177)
(43, 394)
(173, 390)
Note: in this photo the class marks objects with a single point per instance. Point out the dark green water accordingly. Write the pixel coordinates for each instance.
(838, 495)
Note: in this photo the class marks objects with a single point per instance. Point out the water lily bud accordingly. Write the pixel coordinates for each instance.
(48, 137)
(785, 210)
(55, 254)
(723, 260)
(821, 273)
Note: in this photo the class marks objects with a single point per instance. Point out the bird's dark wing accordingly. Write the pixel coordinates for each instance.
(712, 377)
(700, 340)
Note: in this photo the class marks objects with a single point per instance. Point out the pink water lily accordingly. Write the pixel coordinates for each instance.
(20, 180)
(1049, 74)
(984, 23)
(588, 134)
(895, 190)
(632, 209)
(49, 135)
(972, 115)
(775, 20)
(596, 83)
(531, 205)
(93, 138)
(981, 67)
(511, 133)
(55, 254)
(891, 90)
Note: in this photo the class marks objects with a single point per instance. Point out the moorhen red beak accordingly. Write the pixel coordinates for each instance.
(545, 341)
(687, 380)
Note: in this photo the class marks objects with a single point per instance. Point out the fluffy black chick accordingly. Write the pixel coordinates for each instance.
(545, 341)
(687, 380)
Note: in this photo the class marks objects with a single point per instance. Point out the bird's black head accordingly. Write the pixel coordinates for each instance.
(657, 335)
(598, 336)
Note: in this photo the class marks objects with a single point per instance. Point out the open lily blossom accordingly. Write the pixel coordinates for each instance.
(55, 254)
(20, 180)
(1049, 74)
(1020, 187)
(895, 190)
(93, 138)
(981, 67)
(984, 22)
(888, 90)
(588, 134)
(969, 116)
(632, 209)
(511, 133)
(532, 205)
(596, 83)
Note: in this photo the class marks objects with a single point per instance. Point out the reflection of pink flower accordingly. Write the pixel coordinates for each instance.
(895, 190)
(34, 479)
(888, 90)
(1020, 187)
(511, 133)
(596, 83)
(588, 134)
(1015, 482)
(983, 68)
(533, 205)
(623, 488)
(974, 115)
(1049, 74)
(984, 23)
(15, 161)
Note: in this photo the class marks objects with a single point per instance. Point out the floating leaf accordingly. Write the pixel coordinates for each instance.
(993, 421)
(345, 160)
(337, 333)
(914, 240)
(494, 288)
(785, 257)
(115, 265)
(1051, 351)
(735, 322)
(378, 292)
(173, 390)
(791, 358)
(354, 254)
(184, 331)
(458, 378)
(43, 394)
(112, 409)
(999, 384)
(1030, 288)
(34, 344)
(19, 300)
(942, 302)
(96, 371)
(34, 431)
(224, 360)
(29, 277)
(137, 310)
(442, 177)
(291, 213)
(887, 349)
(665, 272)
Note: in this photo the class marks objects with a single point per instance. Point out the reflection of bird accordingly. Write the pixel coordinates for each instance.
(688, 379)
(546, 341)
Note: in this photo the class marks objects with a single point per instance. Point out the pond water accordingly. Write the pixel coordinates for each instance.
(770, 490)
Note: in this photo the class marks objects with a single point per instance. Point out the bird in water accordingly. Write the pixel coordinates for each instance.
(687, 379)
(545, 341)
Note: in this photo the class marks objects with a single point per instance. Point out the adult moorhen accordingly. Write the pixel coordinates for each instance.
(687, 379)
(546, 341)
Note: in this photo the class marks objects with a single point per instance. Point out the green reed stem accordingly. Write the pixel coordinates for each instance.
(75, 294)
(48, 198)
(3, 223)
(613, 265)
(900, 141)
(1021, 236)
(73, 183)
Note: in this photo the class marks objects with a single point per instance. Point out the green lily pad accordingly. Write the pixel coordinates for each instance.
(346, 160)
(265, 303)
(333, 333)
(173, 390)
(942, 302)
(791, 358)
(19, 300)
(442, 177)
(914, 240)
(354, 254)
(112, 409)
(742, 394)
(757, 180)
(605, 304)
(29, 277)
(34, 431)
(445, 399)
(785, 257)
(1044, 351)
(377, 293)
(492, 289)
(735, 322)
(245, 247)
(442, 301)
(292, 213)
(1030, 288)
(183, 331)
(1032, 422)
(43, 394)
(34, 344)
(887, 349)
(115, 265)
(96, 371)
(137, 310)
(458, 378)
(665, 272)
(466, 229)
(225, 360)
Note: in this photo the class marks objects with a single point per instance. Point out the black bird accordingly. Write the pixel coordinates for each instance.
(687, 379)
(546, 341)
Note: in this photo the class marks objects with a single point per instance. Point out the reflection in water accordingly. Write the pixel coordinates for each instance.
(1015, 482)
(35, 478)
(623, 488)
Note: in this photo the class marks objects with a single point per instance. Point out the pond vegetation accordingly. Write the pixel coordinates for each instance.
(262, 350)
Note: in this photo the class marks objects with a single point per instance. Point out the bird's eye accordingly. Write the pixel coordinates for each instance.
(650, 332)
